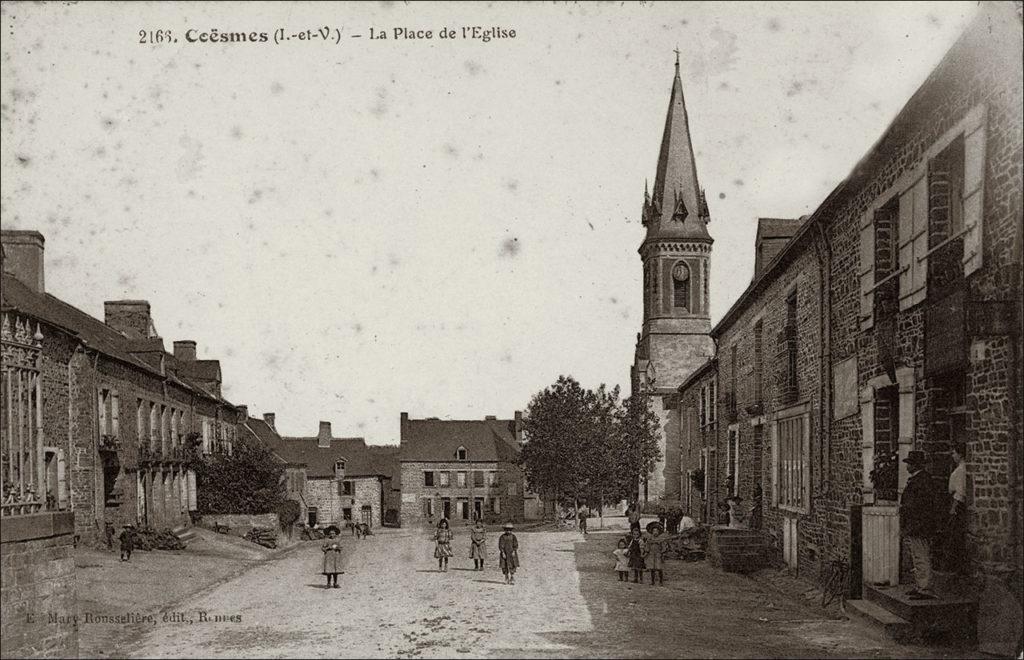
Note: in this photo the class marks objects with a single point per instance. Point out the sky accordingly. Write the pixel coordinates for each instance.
(358, 228)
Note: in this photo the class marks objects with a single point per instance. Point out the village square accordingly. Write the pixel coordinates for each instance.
(822, 459)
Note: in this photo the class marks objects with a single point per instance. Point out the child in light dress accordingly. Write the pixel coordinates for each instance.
(621, 561)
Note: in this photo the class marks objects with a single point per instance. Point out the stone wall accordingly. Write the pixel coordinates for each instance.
(509, 477)
(980, 69)
(323, 493)
(38, 602)
(740, 410)
(239, 524)
(695, 439)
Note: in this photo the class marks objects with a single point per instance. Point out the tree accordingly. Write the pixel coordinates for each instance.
(585, 445)
(248, 481)
(637, 449)
(555, 425)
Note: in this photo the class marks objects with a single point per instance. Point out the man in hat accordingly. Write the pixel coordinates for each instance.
(917, 522)
(508, 549)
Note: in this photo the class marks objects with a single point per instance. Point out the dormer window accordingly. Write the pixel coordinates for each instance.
(339, 467)
(460, 453)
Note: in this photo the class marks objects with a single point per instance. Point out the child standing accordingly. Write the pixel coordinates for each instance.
(478, 546)
(621, 561)
(508, 548)
(332, 558)
(656, 548)
(127, 539)
(443, 548)
(637, 550)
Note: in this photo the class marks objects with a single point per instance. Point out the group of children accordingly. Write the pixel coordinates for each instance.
(508, 548)
(639, 553)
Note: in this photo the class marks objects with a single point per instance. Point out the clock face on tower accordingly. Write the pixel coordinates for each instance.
(680, 272)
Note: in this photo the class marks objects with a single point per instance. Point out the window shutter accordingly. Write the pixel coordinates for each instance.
(192, 499)
(62, 480)
(867, 271)
(102, 405)
(775, 464)
(974, 191)
(913, 243)
(115, 406)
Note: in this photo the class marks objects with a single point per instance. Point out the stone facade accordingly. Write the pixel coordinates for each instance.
(335, 507)
(501, 500)
(698, 442)
(903, 333)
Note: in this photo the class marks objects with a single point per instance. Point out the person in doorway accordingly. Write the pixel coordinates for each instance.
(657, 546)
(508, 549)
(723, 514)
(737, 515)
(478, 545)
(332, 558)
(956, 531)
(127, 539)
(621, 560)
(637, 551)
(443, 544)
(916, 515)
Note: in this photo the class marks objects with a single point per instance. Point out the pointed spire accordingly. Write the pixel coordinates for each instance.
(676, 174)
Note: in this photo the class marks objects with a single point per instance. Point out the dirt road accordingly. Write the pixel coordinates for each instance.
(566, 603)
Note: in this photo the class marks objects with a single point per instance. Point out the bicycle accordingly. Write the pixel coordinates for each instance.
(837, 584)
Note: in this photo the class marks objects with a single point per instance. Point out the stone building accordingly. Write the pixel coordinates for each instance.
(888, 321)
(337, 481)
(698, 441)
(676, 254)
(461, 470)
(42, 399)
(135, 406)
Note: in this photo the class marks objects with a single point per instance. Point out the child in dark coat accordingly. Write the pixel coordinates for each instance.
(637, 550)
(127, 539)
(508, 549)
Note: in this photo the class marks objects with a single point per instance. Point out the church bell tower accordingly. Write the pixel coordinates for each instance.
(676, 253)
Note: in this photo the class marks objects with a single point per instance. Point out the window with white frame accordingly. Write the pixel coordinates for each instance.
(444, 479)
(791, 463)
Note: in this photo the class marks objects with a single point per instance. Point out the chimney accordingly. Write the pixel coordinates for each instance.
(519, 426)
(268, 418)
(23, 257)
(323, 438)
(129, 317)
(185, 350)
(243, 410)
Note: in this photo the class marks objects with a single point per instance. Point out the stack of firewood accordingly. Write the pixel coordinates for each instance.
(263, 536)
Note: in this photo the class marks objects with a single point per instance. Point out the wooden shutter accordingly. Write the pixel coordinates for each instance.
(62, 480)
(974, 191)
(101, 403)
(776, 472)
(914, 243)
(867, 271)
(115, 406)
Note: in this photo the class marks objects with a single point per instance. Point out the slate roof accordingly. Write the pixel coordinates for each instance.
(361, 460)
(95, 333)
(778, 227)
(438, 440)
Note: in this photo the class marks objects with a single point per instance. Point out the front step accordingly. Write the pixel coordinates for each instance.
(896, 628)
(953, 618)
(184, 533)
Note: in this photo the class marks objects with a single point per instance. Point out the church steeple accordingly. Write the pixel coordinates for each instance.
(676, 187)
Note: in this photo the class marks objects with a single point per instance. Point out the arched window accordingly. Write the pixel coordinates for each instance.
(681, 285)
(460, 453)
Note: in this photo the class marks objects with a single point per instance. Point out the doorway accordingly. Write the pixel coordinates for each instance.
(446, 509)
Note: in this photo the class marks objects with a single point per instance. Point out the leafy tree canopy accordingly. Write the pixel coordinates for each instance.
(586, 445)
(249, 481)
